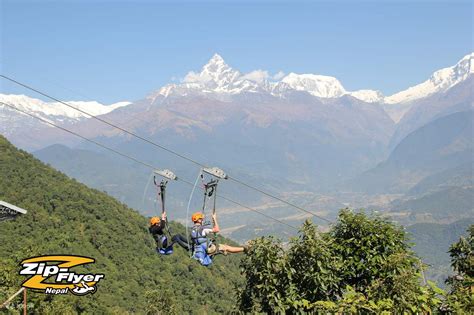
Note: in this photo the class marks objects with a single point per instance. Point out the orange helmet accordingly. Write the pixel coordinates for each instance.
(154, 220)
(197, 216)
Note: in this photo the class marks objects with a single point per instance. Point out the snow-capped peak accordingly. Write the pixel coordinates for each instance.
(216, 73)
(215, 62)
(216, 76)
(317, 85)
(440, 81)
(369, 96)
(58, 110)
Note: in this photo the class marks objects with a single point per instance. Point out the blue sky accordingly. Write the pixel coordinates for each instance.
(121, 50)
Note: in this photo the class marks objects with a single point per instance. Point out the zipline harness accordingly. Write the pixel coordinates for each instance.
(202, 243)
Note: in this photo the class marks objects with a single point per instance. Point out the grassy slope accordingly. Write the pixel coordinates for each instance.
(66, 217)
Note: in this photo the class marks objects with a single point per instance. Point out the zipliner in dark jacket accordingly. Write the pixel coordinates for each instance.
(164, 246)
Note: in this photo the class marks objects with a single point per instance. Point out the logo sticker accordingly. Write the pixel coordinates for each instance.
(52, 275)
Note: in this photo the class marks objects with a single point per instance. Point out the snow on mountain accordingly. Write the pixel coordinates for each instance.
(13, 122)
(369, 96)
(442, 80)
(57, 111)
(327, 87)
(317, 85)
(218, 79)
(216, 75)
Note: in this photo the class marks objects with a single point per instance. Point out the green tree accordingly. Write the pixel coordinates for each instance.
(378, 261)
(363, 264)
(461, 296)
(160, 302)
(267, 277)
(313, 253)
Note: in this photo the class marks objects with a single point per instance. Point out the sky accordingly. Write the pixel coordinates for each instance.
(113, 51)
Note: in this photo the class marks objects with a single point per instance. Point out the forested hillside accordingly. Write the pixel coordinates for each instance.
(66, 217)
(432, 242)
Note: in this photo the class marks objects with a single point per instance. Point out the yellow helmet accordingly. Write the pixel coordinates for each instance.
(154, 220)
(197, 216)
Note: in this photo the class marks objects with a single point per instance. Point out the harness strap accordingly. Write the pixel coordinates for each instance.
(159, 241)
(198, 240)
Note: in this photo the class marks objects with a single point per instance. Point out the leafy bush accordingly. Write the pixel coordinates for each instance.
(461, 298)
(363, 264)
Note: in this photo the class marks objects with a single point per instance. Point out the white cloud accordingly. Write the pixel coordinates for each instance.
(257, 76)
(193, 77)
(279, 75)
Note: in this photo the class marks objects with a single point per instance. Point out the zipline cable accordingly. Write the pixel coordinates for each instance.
(141, 162)
(241, 182)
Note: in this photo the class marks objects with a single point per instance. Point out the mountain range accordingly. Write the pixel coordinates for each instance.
(219, 81)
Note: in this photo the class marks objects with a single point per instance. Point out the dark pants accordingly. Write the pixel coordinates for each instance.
(181, 240)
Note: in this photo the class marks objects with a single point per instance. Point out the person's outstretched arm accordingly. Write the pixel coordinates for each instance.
(163, 220)
(215, 228)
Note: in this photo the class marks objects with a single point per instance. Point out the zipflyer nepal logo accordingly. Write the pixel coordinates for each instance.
(53, 275)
